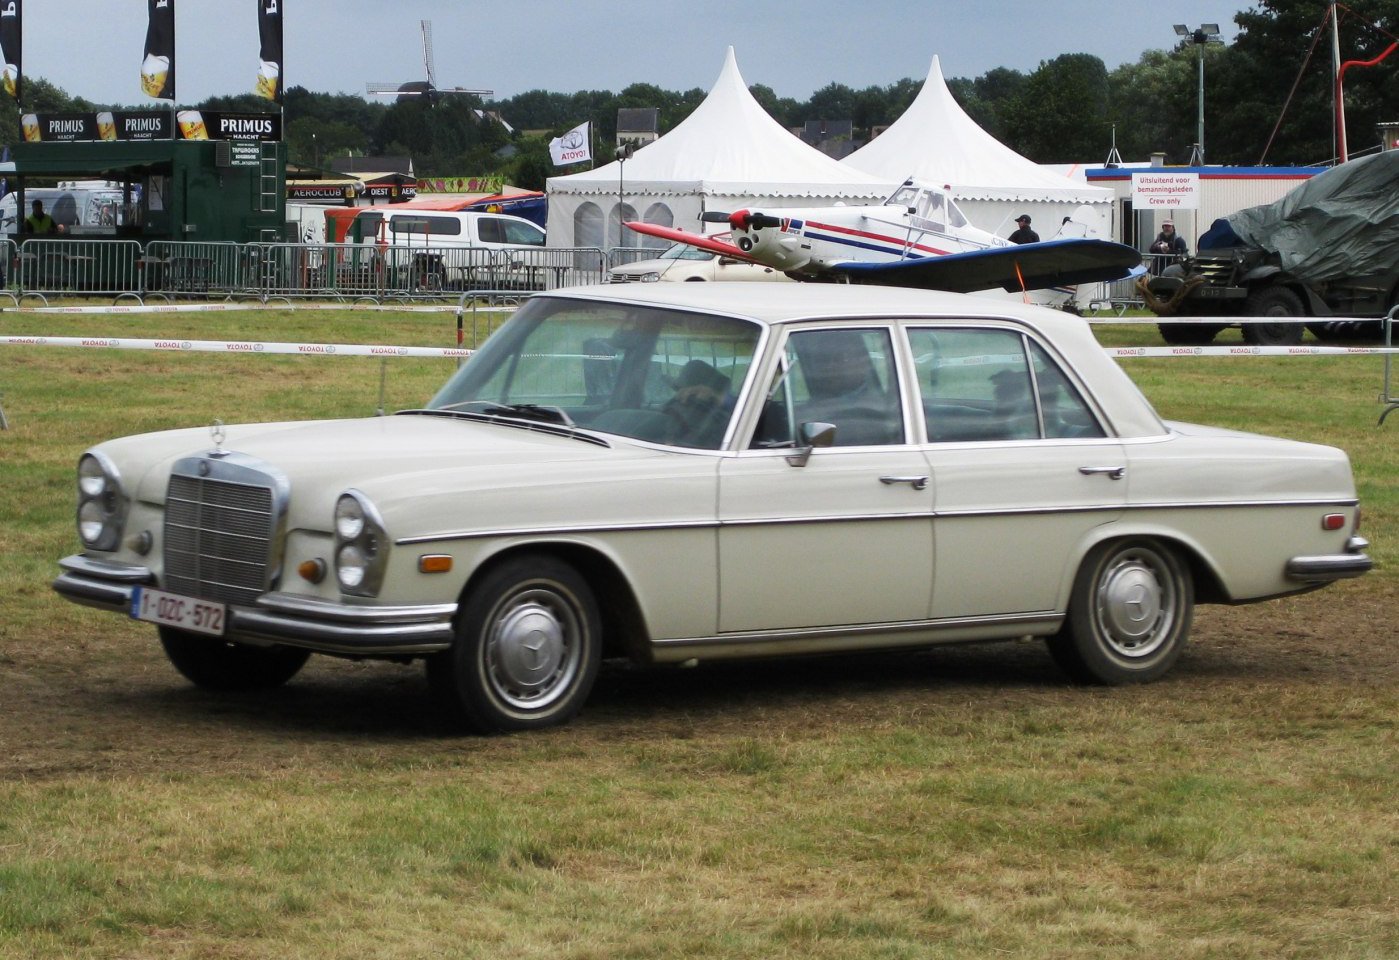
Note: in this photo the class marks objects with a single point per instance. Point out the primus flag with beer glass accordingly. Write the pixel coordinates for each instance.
(11, 38)
(269, 31)
(158, 67)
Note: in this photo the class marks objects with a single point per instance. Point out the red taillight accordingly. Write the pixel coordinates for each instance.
(1333, 521)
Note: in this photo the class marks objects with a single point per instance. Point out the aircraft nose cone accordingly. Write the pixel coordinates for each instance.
(738, 220)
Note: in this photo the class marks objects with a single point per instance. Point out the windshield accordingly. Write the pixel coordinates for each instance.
(683, 251)
(641, 372)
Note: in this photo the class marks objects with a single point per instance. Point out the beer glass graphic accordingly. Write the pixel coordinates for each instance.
(268, 74)
(106, 126)
(11, 73)
(154, 70)
(30, 124)
(191, 125)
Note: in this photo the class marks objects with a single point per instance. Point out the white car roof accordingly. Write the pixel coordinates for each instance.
(773, 304)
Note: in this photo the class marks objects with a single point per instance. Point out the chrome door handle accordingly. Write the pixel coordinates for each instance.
(917, 483)
(1115, 473)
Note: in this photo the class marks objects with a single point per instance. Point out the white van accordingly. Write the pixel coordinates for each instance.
(446, 229)
(435, 250)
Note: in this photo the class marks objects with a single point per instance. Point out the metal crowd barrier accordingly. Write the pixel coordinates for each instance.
(78, 268)
(169, 270)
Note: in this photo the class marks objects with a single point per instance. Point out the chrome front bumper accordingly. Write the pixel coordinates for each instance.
(1337, 566)
(305, 622)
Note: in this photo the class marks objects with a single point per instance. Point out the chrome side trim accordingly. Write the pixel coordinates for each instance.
(868, 629)
(855, 517)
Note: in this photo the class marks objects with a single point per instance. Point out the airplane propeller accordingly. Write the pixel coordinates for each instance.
(741, 219)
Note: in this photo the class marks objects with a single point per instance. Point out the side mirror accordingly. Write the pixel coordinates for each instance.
(814, 434)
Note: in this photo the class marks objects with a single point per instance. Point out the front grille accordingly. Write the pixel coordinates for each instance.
(219, 538)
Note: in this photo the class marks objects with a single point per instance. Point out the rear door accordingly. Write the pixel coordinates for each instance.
(1022, 465)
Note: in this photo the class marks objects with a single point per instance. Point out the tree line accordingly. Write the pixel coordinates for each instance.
(1268, 99)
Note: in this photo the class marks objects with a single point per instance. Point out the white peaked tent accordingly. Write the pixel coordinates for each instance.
(726, 155)
(937, 142)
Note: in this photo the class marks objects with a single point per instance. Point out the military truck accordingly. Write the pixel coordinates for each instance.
(1328, 249)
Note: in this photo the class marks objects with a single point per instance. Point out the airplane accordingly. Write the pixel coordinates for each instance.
(916, 238)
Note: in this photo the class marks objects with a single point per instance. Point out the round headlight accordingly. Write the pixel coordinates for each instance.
(92, 479)
(350, 566)
(92, 521)
(650, 277)
(349, 518)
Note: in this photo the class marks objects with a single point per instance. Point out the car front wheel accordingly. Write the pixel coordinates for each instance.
(1129, 616)
(213, 664)
(527, 649)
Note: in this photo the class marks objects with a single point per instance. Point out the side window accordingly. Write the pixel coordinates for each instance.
(522, 234)
(981, 385)
(975, 384)
(846, 378)
(489, 230)
(1062, 407)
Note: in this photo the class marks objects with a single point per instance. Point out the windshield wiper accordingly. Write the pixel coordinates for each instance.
(544, 413)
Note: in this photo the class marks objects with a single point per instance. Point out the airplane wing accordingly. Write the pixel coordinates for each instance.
(693, 239)
(1029, 266)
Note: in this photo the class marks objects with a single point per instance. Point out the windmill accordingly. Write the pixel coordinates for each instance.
(421, 88)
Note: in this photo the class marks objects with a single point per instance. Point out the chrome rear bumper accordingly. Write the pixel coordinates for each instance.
(1337, 566)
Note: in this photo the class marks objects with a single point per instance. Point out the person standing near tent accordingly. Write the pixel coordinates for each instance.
(1024, 234)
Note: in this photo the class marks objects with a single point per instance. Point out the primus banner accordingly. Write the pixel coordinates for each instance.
(269, 83)
(11, 43)
(158, 66)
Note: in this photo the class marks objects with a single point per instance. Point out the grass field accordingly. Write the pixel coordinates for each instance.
(957, 803)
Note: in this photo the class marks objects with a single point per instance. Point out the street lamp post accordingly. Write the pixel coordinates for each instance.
(1201, 37)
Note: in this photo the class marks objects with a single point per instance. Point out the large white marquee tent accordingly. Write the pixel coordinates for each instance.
(728, 154)
(935, 141)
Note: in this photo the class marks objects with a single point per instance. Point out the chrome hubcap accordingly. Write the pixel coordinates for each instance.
(531, 655)
(1135, 605)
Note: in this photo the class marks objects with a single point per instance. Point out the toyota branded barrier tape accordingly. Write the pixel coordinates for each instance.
(388, 350)
(237, 346)
(235, 307)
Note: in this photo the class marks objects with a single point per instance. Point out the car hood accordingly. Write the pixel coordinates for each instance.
(378, 451)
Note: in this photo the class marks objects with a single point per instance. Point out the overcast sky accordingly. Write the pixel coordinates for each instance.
(92, 48)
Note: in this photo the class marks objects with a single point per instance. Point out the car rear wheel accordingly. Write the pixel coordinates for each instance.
(1273, 302)
(527, 650)
(1129, 616)
(214, 664)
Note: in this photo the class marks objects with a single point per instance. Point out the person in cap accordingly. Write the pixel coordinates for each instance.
(1168, 242)
(1024, 234)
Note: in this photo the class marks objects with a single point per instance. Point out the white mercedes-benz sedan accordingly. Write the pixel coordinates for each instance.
(677, 473)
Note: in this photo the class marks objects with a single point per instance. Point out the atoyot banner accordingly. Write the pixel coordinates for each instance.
(158, 66)
(573, 147)
(11, 46)
(269, 30)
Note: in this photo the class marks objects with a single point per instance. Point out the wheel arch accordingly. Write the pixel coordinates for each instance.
(1209, 584)
(624, 631)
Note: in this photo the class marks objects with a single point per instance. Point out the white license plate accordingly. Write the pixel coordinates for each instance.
(173, 610)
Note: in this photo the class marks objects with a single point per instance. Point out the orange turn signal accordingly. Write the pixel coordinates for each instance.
(434, 563)
(312, 570)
